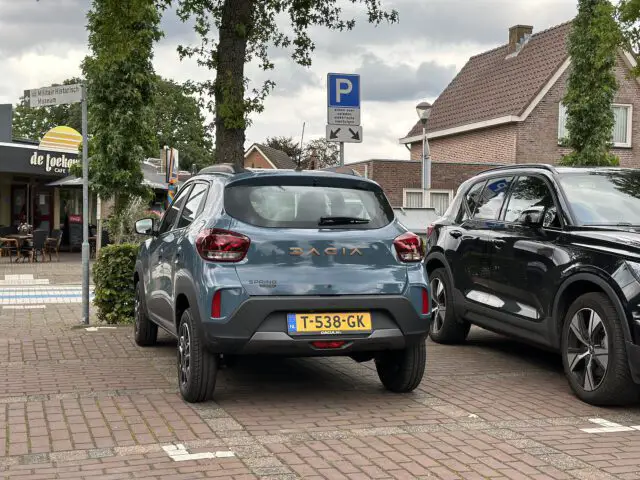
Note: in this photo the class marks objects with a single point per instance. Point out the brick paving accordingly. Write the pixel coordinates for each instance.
(77, 405)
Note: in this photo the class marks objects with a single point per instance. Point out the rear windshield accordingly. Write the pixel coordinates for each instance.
(307, 206)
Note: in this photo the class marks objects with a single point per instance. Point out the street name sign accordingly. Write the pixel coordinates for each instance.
(344, 133)
(59, 95)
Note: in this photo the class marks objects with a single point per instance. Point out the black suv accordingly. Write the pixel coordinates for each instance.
(550, 256)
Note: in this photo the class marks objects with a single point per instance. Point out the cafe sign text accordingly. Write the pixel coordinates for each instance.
(53, 163)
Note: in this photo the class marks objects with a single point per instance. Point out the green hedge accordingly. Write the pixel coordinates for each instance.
(113, 280)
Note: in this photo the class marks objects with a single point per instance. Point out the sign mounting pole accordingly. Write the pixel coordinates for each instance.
(64, 95)
(85, 210)
(342, 154)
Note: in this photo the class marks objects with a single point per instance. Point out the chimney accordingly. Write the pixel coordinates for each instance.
(518, 35)
(6, 114)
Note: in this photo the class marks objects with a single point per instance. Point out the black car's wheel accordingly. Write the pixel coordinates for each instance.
(446, 327)
(401, 371)
(594, 353)
(144, 330)
(197, 367)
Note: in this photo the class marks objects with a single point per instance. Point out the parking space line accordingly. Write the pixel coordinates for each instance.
(179, 453)
(608, 427)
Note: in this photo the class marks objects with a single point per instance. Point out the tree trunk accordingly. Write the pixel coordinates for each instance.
(237, 21)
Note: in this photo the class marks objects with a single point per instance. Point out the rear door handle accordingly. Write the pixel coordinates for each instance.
(455, 233)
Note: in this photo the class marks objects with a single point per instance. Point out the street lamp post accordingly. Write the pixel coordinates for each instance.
(424, 111)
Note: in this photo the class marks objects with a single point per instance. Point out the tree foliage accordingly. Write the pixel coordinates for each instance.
(247, 29)
(285, 144)
(593, 43)
(179, 123)
(33, 123)
(629, 19)
(320, 153)
(121, 82)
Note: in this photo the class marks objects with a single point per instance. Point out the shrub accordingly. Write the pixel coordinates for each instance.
(113, 280)
(121, 225)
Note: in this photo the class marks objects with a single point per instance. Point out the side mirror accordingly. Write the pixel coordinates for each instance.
(146, 226)
(533, 217)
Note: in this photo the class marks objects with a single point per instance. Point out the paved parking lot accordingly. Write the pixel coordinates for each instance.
(85, 404)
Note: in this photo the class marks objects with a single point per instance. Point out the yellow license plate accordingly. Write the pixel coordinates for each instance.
(328, 323)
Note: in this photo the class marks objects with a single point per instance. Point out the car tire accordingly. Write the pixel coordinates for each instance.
(401, 371)
(446, 327)
(594, 353)
(197, 367)
(145, 332)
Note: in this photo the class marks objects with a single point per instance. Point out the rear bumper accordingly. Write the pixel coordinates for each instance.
(259, 326)
(633, 356)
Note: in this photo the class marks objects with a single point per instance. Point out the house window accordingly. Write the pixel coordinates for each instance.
(622, 115)
(439, 200)
(413, 199)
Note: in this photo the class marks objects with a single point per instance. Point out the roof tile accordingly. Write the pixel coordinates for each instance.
(491, 85)
(279, 158)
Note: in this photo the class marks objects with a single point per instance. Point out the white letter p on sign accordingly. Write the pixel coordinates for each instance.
(343, 87)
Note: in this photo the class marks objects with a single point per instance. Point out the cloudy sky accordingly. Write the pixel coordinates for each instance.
(400, 65)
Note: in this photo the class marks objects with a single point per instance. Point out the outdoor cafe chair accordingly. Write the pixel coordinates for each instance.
(9, 247)
(37, 245)
(53, 243)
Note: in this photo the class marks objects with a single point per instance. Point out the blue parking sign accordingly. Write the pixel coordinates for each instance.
(344, 90)
(499, 185)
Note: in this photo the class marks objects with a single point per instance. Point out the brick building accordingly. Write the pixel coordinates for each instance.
(262, 156)
(505, 107)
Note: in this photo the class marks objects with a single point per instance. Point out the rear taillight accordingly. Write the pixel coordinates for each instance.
(218, 245)
(409, 247)
(425, 302)
(216, 305)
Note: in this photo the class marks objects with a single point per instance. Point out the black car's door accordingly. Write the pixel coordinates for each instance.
(159, 302)
(526, 252)
(470, 254)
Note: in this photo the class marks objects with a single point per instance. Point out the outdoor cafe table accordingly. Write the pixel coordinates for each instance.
(19, 239)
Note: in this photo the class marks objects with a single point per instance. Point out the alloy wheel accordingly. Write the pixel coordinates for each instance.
(588, 349)
(184, 353)
(439, 300)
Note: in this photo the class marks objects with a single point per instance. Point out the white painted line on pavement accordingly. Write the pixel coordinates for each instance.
(95, 329)
(22, 307)
(178, 453)
(608, 427)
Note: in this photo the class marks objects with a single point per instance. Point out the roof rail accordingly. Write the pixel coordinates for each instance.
(542, 166)
(227, 168)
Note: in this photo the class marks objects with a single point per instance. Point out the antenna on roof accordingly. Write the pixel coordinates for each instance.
(299, 167)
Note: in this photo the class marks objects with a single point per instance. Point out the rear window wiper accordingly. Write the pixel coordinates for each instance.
(342, 221)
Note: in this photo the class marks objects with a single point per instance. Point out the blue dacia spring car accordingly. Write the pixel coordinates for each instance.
(294, 263)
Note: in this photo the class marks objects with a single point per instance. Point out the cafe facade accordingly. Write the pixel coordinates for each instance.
(26, 171)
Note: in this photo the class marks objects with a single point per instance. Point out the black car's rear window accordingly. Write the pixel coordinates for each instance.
(277, 205)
